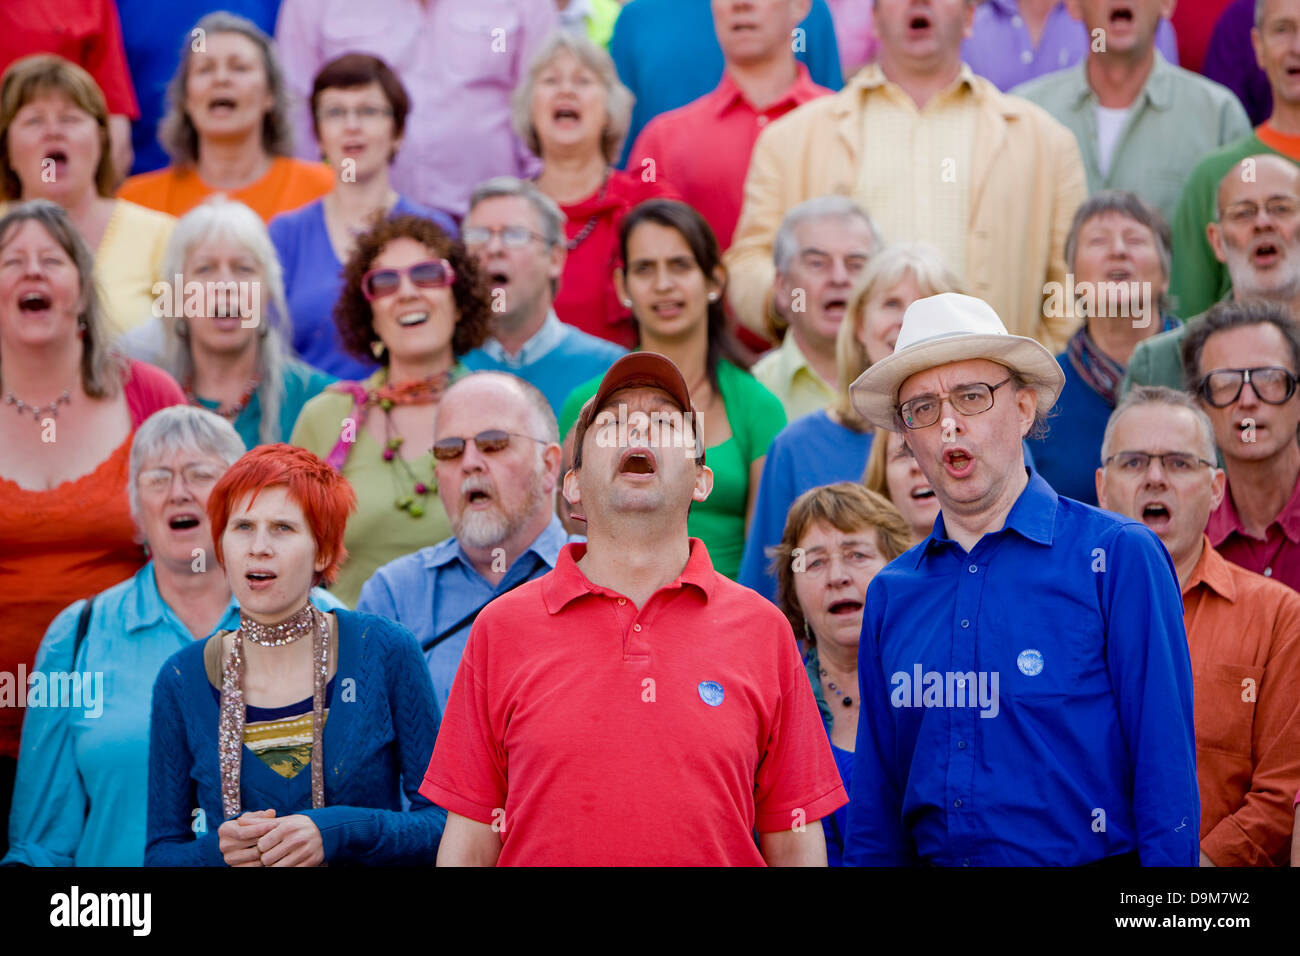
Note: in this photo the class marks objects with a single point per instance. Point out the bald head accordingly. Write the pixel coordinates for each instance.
(498, 389)
(1258, 176)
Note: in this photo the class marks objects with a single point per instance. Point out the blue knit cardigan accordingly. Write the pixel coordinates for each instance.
(378, 740)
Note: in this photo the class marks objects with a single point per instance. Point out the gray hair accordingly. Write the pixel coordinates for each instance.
(539, 408)
(101, 367)
(785, 245)
(1126, 204)
(1143, 395)
(227, 219)
(548, 212)
(176, 131)
(180, 428)
(618, 98)
(1259, 13)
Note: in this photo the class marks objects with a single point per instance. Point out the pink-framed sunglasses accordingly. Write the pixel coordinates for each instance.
(429, 274)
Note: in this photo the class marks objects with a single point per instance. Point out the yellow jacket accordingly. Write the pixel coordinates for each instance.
(1028, 180)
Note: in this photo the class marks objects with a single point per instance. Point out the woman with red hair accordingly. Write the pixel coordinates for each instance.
(299, 706)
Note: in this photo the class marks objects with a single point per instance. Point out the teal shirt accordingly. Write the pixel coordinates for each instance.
(301, 384)
(1176, 119)
(79, 799)
(755, 415)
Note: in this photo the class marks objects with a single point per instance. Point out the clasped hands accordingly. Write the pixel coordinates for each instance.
(258, 838)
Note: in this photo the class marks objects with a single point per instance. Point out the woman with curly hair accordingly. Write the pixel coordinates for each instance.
(414, 301)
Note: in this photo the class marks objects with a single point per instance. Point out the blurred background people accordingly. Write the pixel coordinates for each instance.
(572, 112)
(835, 540)
(414, 300)
(359, 110)
(516, 232)
(673, 283)
(303, 775)
(459, 60)
(55, 144)
(227, 128)
(80, 773)
(892, 472)
(70, 408)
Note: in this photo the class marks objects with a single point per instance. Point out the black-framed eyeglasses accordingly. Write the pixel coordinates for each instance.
(512, 237)
(1172, 462)
(973, 399)
(488, 442)
(1222, 386)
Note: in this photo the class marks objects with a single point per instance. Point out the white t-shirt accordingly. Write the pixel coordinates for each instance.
(1109, 124)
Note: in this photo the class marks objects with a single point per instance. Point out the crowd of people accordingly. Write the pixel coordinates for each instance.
(787, 432)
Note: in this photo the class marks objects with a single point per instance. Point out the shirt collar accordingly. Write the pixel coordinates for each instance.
(1224, 520)
(727, 94)
(550, 335)
(1158, 90)
(791, 360)
(872, 77)
(146, 608)
(567, 583)
(546, 546)
(1033, 516)
(1212, 570)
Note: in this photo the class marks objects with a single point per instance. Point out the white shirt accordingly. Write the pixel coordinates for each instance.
(1110, 123)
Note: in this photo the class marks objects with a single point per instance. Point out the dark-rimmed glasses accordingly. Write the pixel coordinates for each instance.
(1273, 384)
(973, 399)
(429, 274)
(1172, 462)
(492, 440)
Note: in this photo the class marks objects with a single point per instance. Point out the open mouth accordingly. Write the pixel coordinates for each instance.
(1266, 253)
(1119, 275)
(34, 302)
(918, 22)
(923, 493)
(566, 114)
(1156, 516)
(477, 496)
(58, 155)
(221, 103)
(498, 278)
(846, 607)
(260, 577)
(669, 309)
(637, 463)
(412, 319)
(183, 522)
(958, 462)
(1121, 15)
(836, 306)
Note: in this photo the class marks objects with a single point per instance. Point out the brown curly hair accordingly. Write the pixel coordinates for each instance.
(352, 312)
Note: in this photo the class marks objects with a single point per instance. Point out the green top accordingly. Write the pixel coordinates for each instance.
(301, 384)
(1199, 279)
(379, 531)
(756, 415)
(1177, 118)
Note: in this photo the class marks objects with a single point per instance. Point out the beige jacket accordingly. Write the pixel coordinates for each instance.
(1028, 182)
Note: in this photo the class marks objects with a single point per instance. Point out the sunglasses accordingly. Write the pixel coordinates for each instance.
(492, 440)
(429, 274)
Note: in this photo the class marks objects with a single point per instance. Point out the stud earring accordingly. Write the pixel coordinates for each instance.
(713, 297)
(627, 303)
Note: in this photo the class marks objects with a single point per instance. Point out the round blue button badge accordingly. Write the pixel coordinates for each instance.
(711, 692)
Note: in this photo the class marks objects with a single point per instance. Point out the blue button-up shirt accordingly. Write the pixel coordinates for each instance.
(430, 590)
(83, 771)
(1028, 702)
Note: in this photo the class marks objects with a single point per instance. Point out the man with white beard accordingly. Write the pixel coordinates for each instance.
(497, 463)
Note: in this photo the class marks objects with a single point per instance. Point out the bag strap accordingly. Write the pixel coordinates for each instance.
(83, 626)
(431, 643)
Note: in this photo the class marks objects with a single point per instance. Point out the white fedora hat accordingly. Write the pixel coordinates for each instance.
(950, 328)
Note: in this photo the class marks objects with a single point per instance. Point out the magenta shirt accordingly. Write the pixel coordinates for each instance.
(459, 61)
(1276, 556)
(854, 33)
(1000, 50)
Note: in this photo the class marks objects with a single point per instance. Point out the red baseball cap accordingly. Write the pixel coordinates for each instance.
(637, 370)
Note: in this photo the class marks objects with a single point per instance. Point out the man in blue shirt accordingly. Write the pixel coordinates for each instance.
(1024, 675)
(497, 458)
(516, 233)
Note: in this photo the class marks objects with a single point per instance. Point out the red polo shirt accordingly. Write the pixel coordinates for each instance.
(703, 148)
(1276, 556)
(594, 734)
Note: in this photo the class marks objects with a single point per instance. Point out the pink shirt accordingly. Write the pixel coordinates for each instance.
(1276, 556)
(703, 148)
(459, 61)
(854, 32)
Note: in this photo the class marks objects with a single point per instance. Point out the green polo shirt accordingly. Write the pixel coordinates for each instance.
(1176, 119)
(788, 375)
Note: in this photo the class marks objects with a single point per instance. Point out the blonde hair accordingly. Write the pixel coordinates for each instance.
(886, 269)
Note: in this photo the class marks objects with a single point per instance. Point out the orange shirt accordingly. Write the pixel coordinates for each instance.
(1243, 630)
(288, 184)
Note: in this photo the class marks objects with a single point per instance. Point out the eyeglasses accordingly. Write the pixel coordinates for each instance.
(820, 564)
(366, 114)
(430, 274)
(488, 442)
(1173, 462)
(1221, 387)
(196, 476)
(923, 411)
(512, 237)
(1279, 207)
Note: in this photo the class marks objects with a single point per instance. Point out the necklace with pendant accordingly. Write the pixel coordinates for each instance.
(844, 699)
(52, 409)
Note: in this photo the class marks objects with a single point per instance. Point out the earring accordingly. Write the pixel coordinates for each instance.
(81, 324)
(627, 303)
(377, 349)
(713, 297)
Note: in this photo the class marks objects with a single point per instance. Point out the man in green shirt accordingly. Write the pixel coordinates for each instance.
(1256, 236)
(1141, 122)
(1199, 279)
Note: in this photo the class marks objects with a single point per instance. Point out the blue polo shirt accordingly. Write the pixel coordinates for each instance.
(430, 590)
(1066, 627)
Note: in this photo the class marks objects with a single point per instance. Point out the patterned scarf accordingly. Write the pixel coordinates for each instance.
(422, 391)
(1098, 370)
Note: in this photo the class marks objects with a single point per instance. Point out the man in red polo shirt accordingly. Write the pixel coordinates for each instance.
(703, 148)
(633, 706)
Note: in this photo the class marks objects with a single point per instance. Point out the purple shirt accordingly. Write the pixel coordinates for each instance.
(1230, 60)
(1000, 50)
(459, 61)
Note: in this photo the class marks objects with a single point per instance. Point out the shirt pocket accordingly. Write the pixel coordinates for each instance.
(1044, 652)
(1224, 706)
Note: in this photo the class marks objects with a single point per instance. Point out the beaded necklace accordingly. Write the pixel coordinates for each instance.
(228, 412)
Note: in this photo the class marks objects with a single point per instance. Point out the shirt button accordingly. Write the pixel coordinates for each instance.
(961, 745)
(961, 682)
(762, 121)
(965, 623)
(957, 802)
(622, 601)
(636, 627)
(1268, 572)
(1026, 56)
(973, 568)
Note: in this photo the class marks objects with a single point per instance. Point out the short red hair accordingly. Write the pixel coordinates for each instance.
(325, 497)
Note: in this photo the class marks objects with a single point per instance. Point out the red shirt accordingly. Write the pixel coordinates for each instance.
(1276, 556)
(592, 734)
(586, 297)
(87, 32)
(703, 148)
